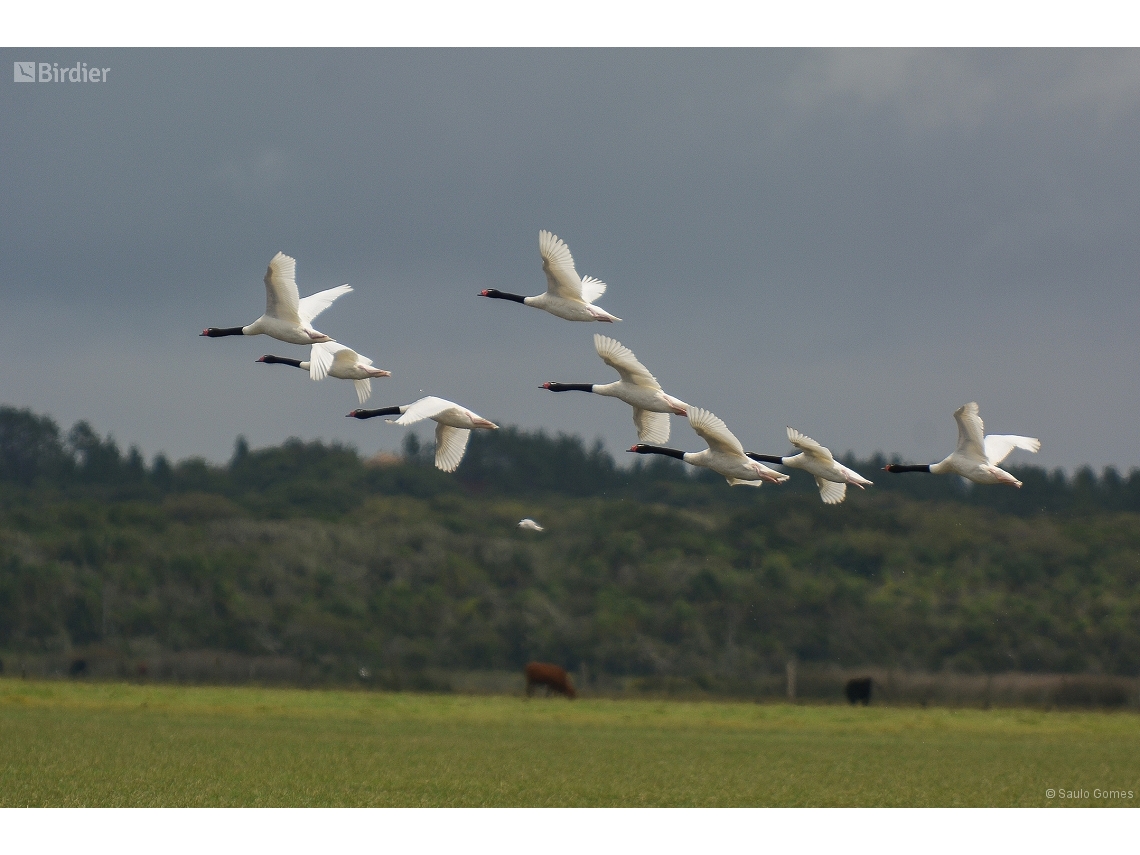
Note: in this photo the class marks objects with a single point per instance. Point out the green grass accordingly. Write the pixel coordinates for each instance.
(104, 744)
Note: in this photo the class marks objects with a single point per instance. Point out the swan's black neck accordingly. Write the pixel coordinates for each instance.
(641, 448)
(501, 295)
(214, 332)
(764, 458)
(371, 414)
(907, 467)
(569, 387)
(280, 360)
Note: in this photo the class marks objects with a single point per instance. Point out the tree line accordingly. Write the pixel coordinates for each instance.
(310, 551)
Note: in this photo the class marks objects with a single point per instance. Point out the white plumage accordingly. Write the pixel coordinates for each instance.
(567, 294)
(333, 359)
(287, 317)
(453, 427)
(976, 456)
(831, 476)
(637, 387)
(724, 455)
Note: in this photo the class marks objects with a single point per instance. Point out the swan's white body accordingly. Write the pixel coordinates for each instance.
(453, 427)
(530, 525)
(831, 476)
(977, 457)
(568, 295)
(725, 454)
(637, 387)
(333, 359)
(287, 317)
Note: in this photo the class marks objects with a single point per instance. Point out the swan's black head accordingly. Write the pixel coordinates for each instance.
(897, 468)
(639, 449)
(353, 415)
(502, 295)
(267, 358)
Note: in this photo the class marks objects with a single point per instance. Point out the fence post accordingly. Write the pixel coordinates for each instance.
(791, 672)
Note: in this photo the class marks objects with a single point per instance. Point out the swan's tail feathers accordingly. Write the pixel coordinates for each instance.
(767, 474)
(855, 478)
(600, 314)
(652, 428)
(831, 492)
(321, 357)
(1000, 476)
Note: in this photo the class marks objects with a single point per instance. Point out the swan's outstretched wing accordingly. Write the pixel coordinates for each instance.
(422, 409)
(621, 359)
(314, 304)
(346, 357)
(652, 428)
(450, 443)
(281, 289)
(809, 447)
(998, 446)
(363, 389)
(970, 430)
(831, 492)
(592, 288)
(713, 431)
(562, 279)
(321, 358)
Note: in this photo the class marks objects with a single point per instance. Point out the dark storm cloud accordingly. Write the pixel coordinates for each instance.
(852, 242)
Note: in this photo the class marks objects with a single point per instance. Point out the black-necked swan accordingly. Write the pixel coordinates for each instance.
(831, 476)
(567, 295)
(530, 525)
(287, 317)
(333, 359)
(453, 428)
(637, 387)
(977, 457)
(724, 454)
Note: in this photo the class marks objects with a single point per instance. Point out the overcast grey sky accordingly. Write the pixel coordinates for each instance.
(851, 242)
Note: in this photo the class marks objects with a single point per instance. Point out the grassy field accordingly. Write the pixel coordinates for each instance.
(107, 744)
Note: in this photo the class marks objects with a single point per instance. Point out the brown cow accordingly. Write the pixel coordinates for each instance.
(554, 678)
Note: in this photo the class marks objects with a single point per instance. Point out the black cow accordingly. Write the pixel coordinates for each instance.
(858, 690)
